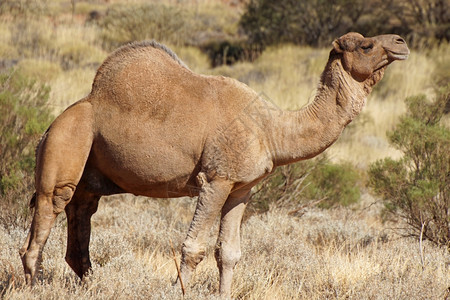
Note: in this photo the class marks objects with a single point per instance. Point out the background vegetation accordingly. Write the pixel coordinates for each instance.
(319, 21)
(416, 187)
(318, 229)
(23, 118)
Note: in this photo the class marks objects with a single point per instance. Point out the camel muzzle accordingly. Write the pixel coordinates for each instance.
(394, 45)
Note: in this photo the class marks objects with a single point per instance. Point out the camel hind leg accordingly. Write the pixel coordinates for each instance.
(61, 157)
(79, 212)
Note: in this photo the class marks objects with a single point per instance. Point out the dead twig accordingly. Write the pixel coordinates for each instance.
(361, 211)
(447, 294)
(421, 246)
(300, 211)
(178, 269)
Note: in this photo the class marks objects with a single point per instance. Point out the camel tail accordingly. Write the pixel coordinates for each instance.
(41, 140)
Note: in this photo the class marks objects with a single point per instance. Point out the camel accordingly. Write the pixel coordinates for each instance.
(150, 126)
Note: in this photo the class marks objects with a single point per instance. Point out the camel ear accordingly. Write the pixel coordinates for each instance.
(337, 46)
(347, 42)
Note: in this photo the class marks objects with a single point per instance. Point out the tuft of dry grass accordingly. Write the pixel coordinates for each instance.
(39, 70)
(70, 86)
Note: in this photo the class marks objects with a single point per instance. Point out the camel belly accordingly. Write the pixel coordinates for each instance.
(157, 160)
(161, 172)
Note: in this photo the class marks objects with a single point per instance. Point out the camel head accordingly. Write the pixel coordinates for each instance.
(363, 57)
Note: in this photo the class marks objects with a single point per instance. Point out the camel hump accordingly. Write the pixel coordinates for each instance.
(136, 64)
(64, 149)
(155, 44)
(140, 46)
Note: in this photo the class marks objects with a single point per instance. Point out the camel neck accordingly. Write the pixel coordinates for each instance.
(302, 134)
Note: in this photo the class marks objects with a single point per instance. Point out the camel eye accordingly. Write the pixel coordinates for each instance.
(367, 48)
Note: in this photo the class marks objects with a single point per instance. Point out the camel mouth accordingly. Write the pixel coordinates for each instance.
(398, 55)
(390, 57)
(395, 46)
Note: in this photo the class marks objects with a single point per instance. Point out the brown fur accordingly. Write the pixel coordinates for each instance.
(152, 127)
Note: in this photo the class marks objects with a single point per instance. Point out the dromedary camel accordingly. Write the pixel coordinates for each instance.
(152, 127)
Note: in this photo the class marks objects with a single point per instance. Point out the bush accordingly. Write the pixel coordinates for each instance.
(316, 180)
(23, 118)
(416, 187)
(228, 52)
(336, 184)
(126, 23)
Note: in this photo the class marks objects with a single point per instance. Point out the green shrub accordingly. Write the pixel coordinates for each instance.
(336, 184)
(23, 118)
(316, 180)
(416, 187)
(282, 187)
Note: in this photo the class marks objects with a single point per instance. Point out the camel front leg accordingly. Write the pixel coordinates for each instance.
(210, 201)
(228, 247)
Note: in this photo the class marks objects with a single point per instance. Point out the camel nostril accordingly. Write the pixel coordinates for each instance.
(399, 40)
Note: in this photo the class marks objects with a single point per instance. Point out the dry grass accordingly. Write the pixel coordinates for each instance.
(339, 254)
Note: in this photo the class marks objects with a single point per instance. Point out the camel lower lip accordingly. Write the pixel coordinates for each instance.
(398, 56)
